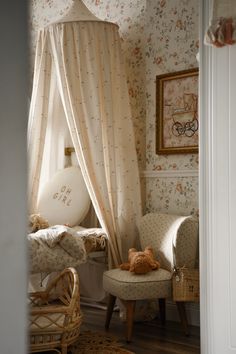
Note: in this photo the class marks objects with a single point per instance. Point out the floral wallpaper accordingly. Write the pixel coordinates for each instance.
(171, 45)
(158, 36)
(173, 195)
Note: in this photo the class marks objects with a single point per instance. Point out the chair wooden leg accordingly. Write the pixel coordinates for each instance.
(130, 307)
(110, 307)
(162, 310)
(182, 315)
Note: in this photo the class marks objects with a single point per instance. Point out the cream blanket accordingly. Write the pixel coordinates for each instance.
(59, 247)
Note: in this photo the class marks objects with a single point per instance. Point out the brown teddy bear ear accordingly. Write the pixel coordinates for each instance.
(131, 250)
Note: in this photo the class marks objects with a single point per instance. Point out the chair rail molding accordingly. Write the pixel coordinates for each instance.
(217, 194)
(169, 173)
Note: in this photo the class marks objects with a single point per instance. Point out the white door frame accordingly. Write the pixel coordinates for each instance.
(217, 194)
(205, 155)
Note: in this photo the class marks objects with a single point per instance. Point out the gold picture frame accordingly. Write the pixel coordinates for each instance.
(177, 112)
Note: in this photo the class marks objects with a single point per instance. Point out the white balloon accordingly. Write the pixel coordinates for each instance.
(64, 199)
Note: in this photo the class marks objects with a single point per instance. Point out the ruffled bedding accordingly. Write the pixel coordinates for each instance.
(55, 248)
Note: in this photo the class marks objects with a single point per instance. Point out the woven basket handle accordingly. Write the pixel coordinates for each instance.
(174, 256)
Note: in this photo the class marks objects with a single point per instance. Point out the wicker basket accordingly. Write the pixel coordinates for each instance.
(54, 314)
(185, 283)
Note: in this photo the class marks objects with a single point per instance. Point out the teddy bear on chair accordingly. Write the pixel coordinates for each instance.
(141, 262)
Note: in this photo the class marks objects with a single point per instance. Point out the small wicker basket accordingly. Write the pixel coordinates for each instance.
(185, 284)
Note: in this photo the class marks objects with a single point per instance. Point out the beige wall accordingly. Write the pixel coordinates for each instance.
(158, 37)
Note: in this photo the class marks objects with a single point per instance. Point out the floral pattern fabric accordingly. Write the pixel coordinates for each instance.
(58, 247)
(84, 58)
(158, 37)
(174, 240)
(129, 286)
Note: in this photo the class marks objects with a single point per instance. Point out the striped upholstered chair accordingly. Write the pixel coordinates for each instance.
(164, 233)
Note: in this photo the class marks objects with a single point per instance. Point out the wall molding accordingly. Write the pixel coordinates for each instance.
(169, 173)
(206, 194)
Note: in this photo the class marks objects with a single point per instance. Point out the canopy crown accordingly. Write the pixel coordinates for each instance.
(78, 12)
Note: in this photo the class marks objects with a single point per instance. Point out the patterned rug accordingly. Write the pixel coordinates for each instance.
(97, 343)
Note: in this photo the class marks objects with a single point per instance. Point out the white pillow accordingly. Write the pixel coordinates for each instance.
(64, 199)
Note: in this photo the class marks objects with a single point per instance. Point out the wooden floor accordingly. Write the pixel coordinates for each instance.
(148, 337)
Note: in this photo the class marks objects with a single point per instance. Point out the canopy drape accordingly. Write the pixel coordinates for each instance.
(79, 67)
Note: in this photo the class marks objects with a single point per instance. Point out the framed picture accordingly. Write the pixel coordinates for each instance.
(177, 112)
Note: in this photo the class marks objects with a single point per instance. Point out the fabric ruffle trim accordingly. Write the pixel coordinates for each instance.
(221, 32)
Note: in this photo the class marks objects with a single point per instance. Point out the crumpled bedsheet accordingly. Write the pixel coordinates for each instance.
(59, 247)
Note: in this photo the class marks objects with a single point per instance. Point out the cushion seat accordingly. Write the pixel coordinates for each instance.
(129, 286)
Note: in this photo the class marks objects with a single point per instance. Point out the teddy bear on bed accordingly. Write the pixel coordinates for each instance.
(37, 222)
(141, 262)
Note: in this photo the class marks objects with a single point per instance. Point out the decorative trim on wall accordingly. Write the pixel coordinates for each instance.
(206, 193)
(169, 173)
(232, 196)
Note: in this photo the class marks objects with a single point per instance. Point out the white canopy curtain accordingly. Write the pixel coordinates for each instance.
(85, 61)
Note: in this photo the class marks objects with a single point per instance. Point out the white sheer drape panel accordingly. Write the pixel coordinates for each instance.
(48, 132)
(94, 92)
(38, 116)
(57, 135)
(89, 70)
